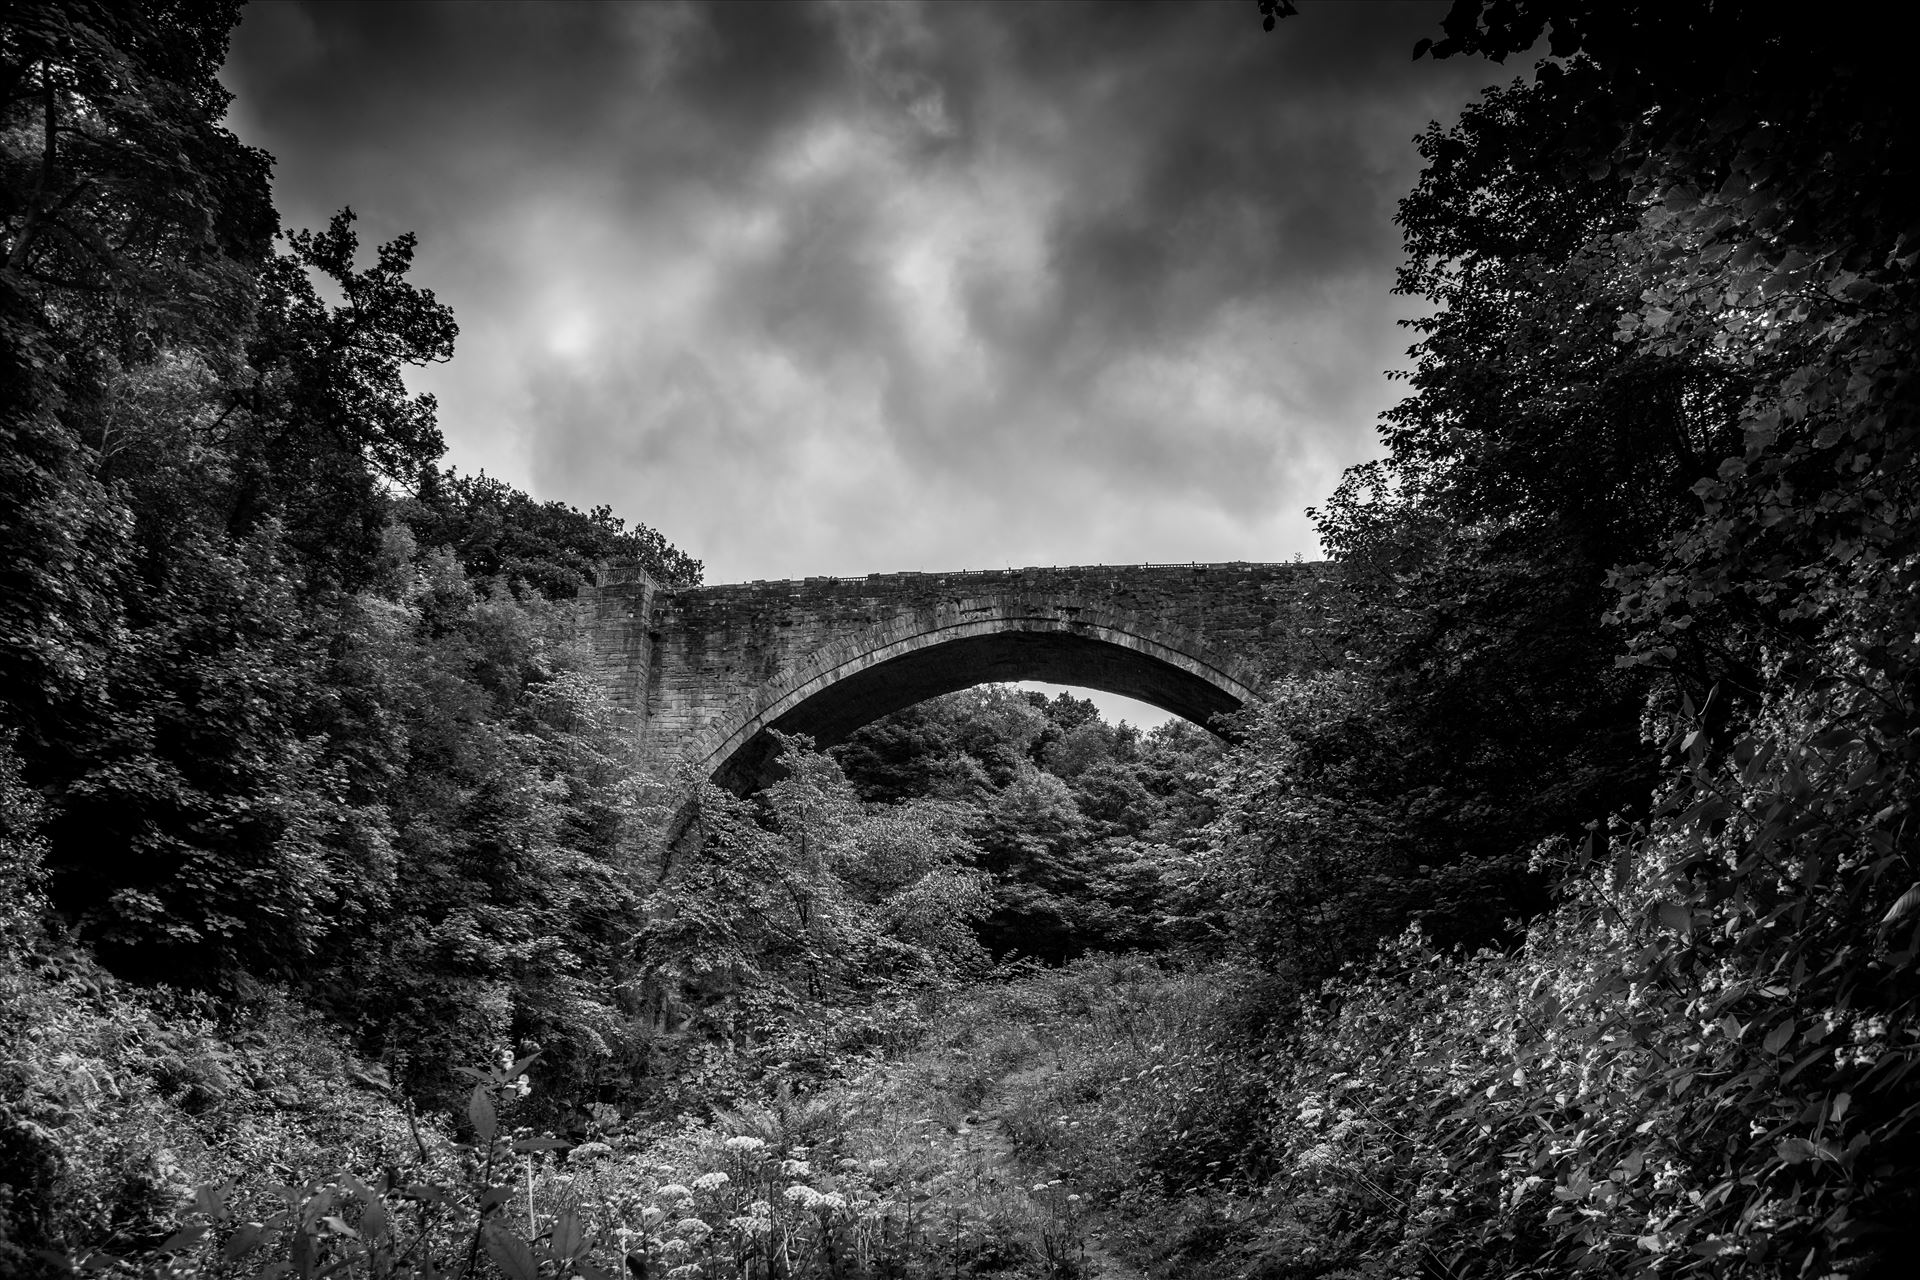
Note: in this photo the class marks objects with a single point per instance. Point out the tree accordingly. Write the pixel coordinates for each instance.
(130, 222)
(550, 547)
(132, 219)
(245, 696)
(1754, 927)
(1304, 875)
(961, 745)
(326, 420)
(1533, 455)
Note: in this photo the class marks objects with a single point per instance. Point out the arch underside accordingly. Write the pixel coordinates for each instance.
(829, 709)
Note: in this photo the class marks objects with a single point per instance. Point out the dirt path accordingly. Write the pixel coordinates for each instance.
(1087, 1246)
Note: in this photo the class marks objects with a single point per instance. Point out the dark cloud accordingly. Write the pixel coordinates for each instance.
(834, 288)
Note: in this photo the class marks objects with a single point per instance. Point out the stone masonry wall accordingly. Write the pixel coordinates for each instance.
(680, 662)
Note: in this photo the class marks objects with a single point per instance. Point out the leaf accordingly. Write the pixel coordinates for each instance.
(1681, 198)
(480, 1112)
(1905, 905)
(510, 1253)
(1807, 1059)
(1675, 916)
(1795, 1150)
(567, 1238)
(211, 1200)
(1777, 1038)
(302, 1253)
(377, 1078)
(243, 1241)
(525, 1145)
(183, 1239)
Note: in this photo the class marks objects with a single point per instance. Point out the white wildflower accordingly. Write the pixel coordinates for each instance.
(1317, 1156)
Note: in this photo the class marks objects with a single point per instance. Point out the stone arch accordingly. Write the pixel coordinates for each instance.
(867, 674)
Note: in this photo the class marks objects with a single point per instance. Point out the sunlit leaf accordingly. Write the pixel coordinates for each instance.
(1904, 905)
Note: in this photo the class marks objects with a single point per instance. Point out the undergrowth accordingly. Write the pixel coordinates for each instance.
(151, 1134)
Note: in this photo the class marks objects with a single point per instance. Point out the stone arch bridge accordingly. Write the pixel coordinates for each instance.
(702, 673)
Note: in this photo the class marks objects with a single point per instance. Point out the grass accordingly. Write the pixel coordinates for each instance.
(1051, 1125)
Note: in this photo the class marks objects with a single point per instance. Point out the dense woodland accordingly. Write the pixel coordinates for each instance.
(1571, 923)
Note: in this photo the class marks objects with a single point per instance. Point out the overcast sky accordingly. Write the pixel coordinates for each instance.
(852, 288)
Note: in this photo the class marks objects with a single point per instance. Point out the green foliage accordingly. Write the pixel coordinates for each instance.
(767, 917)
(510, 800)
(1532, 455)
(207, 804)
(23, 851)
(118, 1101)
(548, 547)
(879, 1175)
(131, 217)
(325, 421)
(1703, 1060)
(261, 730)
(1076, 821)
(1304, 874)
(130, 224)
